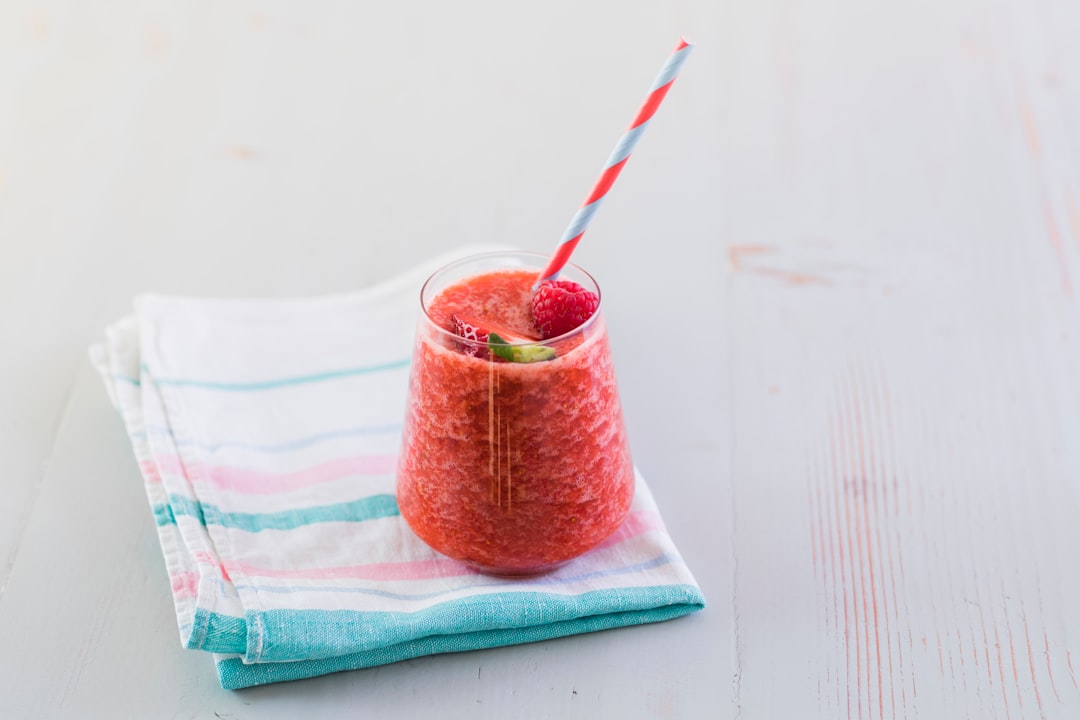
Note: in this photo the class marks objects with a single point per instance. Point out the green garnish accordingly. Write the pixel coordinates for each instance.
(519, 353)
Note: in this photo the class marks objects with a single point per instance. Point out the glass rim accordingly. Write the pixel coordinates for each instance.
(541, 261)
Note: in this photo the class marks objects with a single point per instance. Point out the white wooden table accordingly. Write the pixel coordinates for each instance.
(841, 273)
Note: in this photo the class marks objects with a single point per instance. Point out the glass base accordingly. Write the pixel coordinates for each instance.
(515, 573)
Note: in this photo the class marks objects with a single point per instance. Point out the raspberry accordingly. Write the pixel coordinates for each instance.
(470, 331)
(559, 306)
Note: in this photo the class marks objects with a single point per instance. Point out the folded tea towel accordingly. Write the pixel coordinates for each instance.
(266, 432)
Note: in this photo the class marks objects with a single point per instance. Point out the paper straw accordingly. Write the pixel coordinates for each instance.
(580, 222)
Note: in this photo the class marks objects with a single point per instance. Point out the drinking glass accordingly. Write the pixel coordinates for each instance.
(512, 467)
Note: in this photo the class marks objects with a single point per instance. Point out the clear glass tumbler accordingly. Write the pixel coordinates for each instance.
(512, 467)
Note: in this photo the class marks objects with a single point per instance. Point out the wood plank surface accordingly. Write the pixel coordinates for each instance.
(906, 393)
(842, 279)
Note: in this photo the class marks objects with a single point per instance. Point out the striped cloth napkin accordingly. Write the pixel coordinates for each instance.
(266, 432)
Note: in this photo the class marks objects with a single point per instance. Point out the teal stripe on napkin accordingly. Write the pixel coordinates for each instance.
(368, 508)
(672, 602)
(217, 632)
(288, 635)
(258, 385)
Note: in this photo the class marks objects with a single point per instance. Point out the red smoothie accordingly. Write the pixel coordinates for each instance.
(512, 467)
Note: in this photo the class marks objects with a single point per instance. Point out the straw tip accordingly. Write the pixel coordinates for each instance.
(684, 42)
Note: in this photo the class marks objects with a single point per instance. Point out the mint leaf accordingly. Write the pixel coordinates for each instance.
(500, 348)
(518, 353)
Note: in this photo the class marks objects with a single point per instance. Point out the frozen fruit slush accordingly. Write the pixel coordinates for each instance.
(512, 467)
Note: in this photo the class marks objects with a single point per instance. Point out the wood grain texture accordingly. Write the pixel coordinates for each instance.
(912, 366)
(865, 218)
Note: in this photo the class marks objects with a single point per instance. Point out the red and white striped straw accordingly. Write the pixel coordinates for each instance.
(580, 222)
